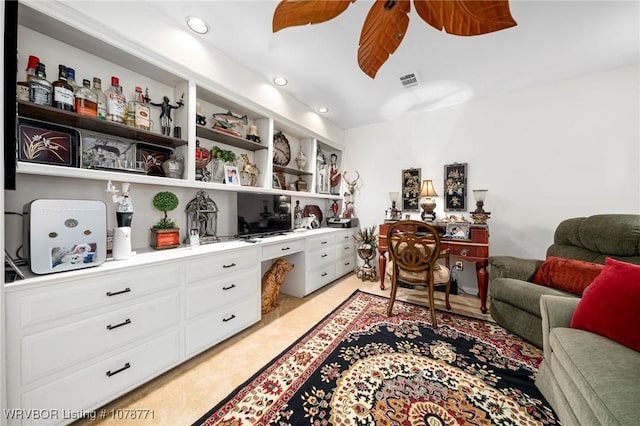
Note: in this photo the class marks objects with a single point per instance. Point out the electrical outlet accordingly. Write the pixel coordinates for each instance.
(459, 266)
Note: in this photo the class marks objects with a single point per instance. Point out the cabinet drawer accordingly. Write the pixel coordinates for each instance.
(321, 257)
(208, 330)
(91, 387)
(344, 235)
(79, 295)
(320, 277)
(48, 351)
(320, 242)
(272, 251)
(212, 266)
(345, 265)
(345, 248)
(221, 292)
(466, 251)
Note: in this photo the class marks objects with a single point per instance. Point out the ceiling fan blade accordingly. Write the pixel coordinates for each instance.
(383, 31)
(290, 13)
(466, 17)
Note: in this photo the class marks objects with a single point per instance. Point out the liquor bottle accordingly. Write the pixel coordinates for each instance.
(86, 100)
(71, 79)
(116, 102)
(141, 110)
(40, 90)
(62, 91)
(22, 87)
(102, 98)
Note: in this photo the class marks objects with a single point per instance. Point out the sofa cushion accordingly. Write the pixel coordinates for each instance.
(597, 375)
(609, 305)
(567, 274)
(522, 294)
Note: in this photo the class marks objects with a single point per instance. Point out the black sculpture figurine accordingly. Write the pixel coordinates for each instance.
(165, 115)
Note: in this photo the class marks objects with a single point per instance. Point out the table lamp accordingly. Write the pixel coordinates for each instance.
(427, 202)
(395, 213)
(479, 216)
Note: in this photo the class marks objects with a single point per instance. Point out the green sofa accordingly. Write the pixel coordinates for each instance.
(588, 379)
(515, 300)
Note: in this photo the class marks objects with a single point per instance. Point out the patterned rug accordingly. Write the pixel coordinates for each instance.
(360, 367)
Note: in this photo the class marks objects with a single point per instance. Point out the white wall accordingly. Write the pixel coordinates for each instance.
(562, 150)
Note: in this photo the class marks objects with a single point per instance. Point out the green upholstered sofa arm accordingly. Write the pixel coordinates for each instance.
(513, 267)
(556, 311)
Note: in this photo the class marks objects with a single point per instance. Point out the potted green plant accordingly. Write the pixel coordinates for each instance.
(367, 242)
(220, 157)
(165, 234)
(367, 239)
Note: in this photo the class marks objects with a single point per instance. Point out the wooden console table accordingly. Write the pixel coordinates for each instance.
(474, 249)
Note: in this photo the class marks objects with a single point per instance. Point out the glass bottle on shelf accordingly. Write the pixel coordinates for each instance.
(40, 90)
(22, 87)
(62, 91)
(142, 112)
(86, 100)
(102, 98)
(71, 79)
(130, 114)
(116, 101)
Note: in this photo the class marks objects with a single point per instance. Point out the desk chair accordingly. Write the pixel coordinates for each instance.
(414, 250)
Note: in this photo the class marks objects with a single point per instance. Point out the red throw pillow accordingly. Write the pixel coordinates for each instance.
(610, 306)
(567, 274)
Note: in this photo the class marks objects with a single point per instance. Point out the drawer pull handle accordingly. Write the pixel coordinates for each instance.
(230, 287)
(113, 373)
(115, 293)
(347, 247)
(229, 319)
(285, 248)
(111, 327)
(347, 264)
(324, 274)
(324, 255)
(229, 266)
(464, 252)
(323, 242)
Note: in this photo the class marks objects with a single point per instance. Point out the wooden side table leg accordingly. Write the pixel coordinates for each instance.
(483, 284)
(382, 263)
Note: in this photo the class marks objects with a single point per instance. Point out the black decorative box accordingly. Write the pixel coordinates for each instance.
(46, 143)
(151, 158)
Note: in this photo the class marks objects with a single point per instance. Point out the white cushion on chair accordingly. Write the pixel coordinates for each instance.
(440, 275)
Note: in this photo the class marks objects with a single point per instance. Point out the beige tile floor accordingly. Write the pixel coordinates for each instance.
(183, 394)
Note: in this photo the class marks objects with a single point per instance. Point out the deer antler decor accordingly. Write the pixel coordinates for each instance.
(351, 186)
(387, 21)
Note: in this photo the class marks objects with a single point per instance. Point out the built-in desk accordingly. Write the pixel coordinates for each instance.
(475, 249)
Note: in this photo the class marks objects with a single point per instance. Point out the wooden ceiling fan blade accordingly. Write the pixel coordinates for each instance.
(383, 31)
(290, 13)
(466, 17)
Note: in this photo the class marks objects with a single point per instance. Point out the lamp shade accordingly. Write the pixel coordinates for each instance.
(480, 194)
(393, 197)
(427, 189)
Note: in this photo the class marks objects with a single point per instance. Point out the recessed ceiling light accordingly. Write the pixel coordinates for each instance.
(323, 110)
(280, 81)
(197, 25)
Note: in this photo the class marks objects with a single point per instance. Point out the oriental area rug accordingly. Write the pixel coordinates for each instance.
(360, 367)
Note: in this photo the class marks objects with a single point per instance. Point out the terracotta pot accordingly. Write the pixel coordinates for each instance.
(165, 238)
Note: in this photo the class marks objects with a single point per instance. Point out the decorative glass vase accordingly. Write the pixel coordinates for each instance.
(173, 167)
(217, 169)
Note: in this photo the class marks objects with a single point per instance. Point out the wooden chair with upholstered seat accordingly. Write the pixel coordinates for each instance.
(414, 250)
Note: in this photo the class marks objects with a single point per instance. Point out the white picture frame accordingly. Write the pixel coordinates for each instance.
(231, 175)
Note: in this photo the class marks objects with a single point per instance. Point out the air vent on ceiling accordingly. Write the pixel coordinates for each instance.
(409, 80)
